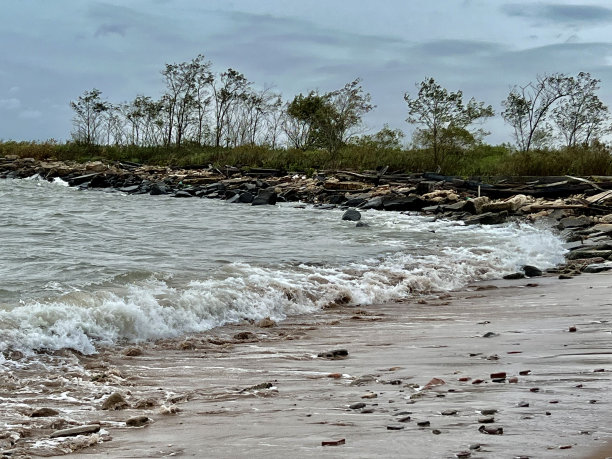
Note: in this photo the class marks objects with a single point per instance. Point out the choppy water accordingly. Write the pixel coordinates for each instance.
(82, 269)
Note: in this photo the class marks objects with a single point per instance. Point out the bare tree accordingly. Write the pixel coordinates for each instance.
(231, 88)
(527, 107)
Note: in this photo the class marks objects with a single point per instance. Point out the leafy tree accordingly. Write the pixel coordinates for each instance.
(327, 120)
(580, 116)
(526, 108)
(446, 120)
(88, 118)
(185, 86)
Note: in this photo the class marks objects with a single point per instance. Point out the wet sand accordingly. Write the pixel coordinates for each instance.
(215, 395)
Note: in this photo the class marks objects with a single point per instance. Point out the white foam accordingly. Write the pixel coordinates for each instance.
(156, 308)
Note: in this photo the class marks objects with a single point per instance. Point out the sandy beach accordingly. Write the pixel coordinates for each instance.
(434, 360)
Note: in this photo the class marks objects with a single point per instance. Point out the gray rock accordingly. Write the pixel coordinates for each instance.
(44, 412)
(114, 401)
(374, 203)
(81, 430)
(352, 215)
(404, 204)
(514, 276)
(137, 421)
(597, 268)
(532, 271)
(574, 222)
(588, 253)
(246, 197)
(182, 194)
(361, 225)
(488, 218)
(357, 406)
(265, 197)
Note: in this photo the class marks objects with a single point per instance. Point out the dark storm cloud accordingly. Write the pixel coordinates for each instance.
(558, 13)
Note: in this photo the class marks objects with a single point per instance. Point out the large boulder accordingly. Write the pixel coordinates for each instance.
(475, 205)
(373, 203)
(265, 197)
(352, 215)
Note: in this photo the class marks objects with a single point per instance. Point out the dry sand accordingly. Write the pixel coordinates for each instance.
(394, 351)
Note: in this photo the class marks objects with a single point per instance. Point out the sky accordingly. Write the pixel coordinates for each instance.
(53, 51)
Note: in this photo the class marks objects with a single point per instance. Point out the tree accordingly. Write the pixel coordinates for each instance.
(88, 118)
(446, 120)
(230, 90)
(185, 86)
(580, 117)
(327, 120)
(526, 108)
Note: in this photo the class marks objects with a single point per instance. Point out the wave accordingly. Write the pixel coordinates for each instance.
(160, 306)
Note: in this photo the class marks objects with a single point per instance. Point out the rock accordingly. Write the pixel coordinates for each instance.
(488, 411)
(357, 406)
(266, 323)
(490, 335)
(81, 430)
(498, 206)
(369, 395)
(137, 421)
(433, 383)
(352, 215)
(572, 329)
(182, 194)
(361, 225)
(523, 404)
(488, 218)
(500, 374)
(463, 454)
(100, 181)
(597, 268)
(448, 412)
(475, 205)
(114, 402)
(246, 197)
(514, 276)
(492, 430)
(404, 204)
(132, 351)
(487, 420)
(425, 187)
(524, 372)
(403, 419)
(336, 354)
(342, 441)
(374, 203)
(245, 335)
(395, 427)
(265, 197)
(588, 253)
(574, 222)
(532, 271)
(75, 181)
(44, 412)
(456, 207)
(423, 423)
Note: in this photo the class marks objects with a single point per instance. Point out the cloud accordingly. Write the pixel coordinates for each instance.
(558, 13)
(14, 90)
(30, 114)
(10, 104)
(111, 29)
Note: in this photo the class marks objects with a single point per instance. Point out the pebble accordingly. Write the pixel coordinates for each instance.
(475, 446)
(499, 380)
(436, 432)
(423, 423)
(137, 421)
(395, 427)
(369, 395)
(132, 352)
(357, 406)
(499, 375)
(335, 375)
(523, 404)
(404, 419)
(449, 412)
(487, 420)
(367, 411)
(491, 430)
(336, 354)
(534, 389)
(488, 412)
(463, 454)
(115, 401)
(524, 372)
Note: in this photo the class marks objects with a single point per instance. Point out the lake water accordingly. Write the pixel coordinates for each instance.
(81, 269)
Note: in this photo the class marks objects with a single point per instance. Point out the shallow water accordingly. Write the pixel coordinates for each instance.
(80, 269)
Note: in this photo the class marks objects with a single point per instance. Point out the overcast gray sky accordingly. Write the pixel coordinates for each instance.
(52, 51)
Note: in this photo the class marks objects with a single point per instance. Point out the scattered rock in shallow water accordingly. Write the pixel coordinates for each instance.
(532, 271)
(488, 412)
(361, 225)
(423, 423)
(266, 323)
(81, 430)
(498, 375)
(261, 386)
(490, 335)
(265, 197)
(137, 421)
(336, 354)
(357, 406)
(114, 402)
(369, 395)
(487, 420)
(523, 404)
(44, 412)
(352, 215)
(132, 352)
(572, 329)
(514, 276)
(448, 412)
(342, 441)
(463, 454)
(492, 430)
(245, 335)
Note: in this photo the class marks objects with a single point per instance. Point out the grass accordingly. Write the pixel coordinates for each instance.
(483, 160)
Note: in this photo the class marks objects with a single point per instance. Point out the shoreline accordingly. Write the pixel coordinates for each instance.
(264, 391)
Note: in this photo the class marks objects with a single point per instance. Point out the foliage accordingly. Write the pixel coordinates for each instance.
(446, 120)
